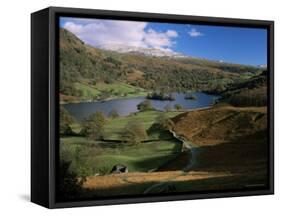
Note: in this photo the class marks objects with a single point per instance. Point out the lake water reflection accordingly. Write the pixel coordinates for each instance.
(129, 105)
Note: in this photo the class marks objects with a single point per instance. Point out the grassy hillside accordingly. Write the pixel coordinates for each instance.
(86, 72)
(99, 156)
(102, 91)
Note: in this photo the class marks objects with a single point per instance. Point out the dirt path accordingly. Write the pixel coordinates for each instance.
(185, 161)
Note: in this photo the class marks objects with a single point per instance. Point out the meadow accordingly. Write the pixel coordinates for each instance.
(97, 157)
(102, 91)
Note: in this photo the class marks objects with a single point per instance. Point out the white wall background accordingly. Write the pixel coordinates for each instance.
(15, 106)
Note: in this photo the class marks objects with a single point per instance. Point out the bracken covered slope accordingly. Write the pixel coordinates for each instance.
(220, 124)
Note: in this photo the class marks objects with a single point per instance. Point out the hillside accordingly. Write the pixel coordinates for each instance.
(251, 92)
(220, 124)
(228, 138)
(88, 73)
(224, 66)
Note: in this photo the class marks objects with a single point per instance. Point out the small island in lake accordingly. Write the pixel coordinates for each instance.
(190, 96)
(160, 96)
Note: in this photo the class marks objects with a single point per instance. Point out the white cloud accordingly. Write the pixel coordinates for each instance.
(100, 32)
(194, 33)
(156, 39)
(171, 33)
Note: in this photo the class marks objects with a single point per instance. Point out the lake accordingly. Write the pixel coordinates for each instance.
(125, 106)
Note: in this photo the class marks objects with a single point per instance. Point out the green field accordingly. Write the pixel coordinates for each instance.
(115, 126)
(92, 157)
(104, 91)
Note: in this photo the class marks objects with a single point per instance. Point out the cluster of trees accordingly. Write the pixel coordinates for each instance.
(248, 97)
(163, 122)
(160, 95)
(133, 133)
(145, 106)
(113, 114)
(178, 107)
(190, 96)
(251, 92)
(177, 78)
(67, 87)
(93, 126)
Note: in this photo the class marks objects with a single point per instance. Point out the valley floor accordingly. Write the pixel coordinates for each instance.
(232, 162)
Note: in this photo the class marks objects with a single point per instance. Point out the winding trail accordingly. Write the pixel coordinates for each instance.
(188, 149)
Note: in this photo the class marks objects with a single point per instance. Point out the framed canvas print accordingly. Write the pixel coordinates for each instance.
(139, 107)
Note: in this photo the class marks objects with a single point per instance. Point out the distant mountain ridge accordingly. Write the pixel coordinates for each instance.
(158, 52)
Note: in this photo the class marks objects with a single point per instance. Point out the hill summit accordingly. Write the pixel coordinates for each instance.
(158, 52)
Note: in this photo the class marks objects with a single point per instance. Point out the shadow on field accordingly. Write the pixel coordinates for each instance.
(157, 160)
(244, 155)
(176, 187)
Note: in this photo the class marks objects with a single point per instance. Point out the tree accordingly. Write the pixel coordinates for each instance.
(167, 108)
(113, 114)
(163, 122)
(145, 106)
(65, 120)
(93, 126)
(178, 106)
(134, 132)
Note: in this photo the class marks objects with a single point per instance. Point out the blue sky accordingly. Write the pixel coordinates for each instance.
(230, 44)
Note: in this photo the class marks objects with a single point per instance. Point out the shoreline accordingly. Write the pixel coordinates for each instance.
(101, 101)
(128, 97)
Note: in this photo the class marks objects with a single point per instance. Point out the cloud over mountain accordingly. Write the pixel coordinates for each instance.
(98, 32)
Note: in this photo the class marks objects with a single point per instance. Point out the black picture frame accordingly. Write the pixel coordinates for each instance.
(45, 101)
